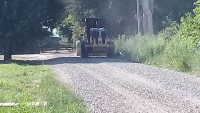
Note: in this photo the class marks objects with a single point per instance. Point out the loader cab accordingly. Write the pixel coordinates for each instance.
(95, 29)
(95, 40)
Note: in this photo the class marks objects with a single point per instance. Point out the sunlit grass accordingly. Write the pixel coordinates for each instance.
(28, 83)
(176, 53)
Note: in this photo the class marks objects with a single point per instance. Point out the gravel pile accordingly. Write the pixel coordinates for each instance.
(114, 86)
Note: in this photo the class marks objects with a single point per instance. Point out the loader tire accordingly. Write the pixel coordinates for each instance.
(84, 53)
(111, 50)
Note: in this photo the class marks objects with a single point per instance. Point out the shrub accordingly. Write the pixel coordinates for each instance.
(173, 52)
(140, 48)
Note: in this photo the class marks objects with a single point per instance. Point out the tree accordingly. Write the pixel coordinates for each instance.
(71, 27)
(190, 25)
(20, 21)
(165, 11)
(122, 16)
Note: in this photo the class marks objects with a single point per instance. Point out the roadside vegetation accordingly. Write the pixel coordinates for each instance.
(35, 83)
(176, 47)
(26, 81)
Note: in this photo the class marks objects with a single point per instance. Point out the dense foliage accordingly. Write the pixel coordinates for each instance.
(121, 14)
(21, 22)
(190, 25)
(175, 47)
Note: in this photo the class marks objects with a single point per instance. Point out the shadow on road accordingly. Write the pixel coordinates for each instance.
(60, 57)
(23, 62)
(64, 60)
(75, 60)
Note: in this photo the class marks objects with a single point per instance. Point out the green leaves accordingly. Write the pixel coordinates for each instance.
(190, 25)
(22, 19)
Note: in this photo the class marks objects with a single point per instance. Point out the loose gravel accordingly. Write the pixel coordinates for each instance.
(115, 86)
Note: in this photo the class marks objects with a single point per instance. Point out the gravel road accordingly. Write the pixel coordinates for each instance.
(115, 86)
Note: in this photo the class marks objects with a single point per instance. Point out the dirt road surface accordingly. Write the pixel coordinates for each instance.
(109, 85)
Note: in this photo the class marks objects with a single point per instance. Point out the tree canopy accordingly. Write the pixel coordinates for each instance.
(21, 22)
(121, 14)
(190, 25)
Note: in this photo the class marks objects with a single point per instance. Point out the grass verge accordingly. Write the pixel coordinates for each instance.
(174, 53)
(35, 83)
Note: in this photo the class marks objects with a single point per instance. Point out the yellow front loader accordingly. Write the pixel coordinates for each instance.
(95, 41)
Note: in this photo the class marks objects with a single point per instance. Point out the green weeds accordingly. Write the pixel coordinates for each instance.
(174, 53)
(28, 83)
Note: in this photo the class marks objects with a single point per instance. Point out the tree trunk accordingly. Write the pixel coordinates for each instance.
(7, 51)
(150, 23)
(138, 17)
(147, 16)
(7, 55)
(150, 17)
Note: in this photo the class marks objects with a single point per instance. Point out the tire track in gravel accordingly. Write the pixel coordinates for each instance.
(167, 100)
(118, 87)
(102, 96)
(136, 100)
(183, 84)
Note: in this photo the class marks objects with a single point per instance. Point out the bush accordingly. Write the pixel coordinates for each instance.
(140, 48)
(176, 47)
(177, 53)
(190, 24)
(71, 26)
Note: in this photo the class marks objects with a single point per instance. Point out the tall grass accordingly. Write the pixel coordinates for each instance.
(174, 52)
(140, 48)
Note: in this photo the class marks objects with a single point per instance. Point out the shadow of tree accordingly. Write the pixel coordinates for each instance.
(63, 60)
(23, 62)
